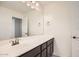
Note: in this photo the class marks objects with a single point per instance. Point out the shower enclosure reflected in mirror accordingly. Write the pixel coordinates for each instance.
(17, 25)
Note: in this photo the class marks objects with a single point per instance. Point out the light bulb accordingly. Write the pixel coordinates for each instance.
(37, 4)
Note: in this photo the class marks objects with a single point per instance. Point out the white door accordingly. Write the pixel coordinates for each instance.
(75, 29)
(75, 39)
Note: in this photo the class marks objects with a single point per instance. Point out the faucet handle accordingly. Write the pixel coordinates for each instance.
(12, 42)
(17, 41)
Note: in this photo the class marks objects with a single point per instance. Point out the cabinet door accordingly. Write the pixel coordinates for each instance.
(52, 45)
(44, 53)
(38, 55)
(50, 41)
(51, 49)
(48, 51)
(43, 46)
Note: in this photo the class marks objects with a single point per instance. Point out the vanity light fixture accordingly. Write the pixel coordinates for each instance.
(32, 4)
(39, 24)
(48, 22)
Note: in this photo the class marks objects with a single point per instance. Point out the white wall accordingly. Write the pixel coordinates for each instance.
(6, 22)
(35, 22)
(58, 16)
(75, 27)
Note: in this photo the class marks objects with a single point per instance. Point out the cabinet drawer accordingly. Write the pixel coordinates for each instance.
(43, 46)
(32, 52)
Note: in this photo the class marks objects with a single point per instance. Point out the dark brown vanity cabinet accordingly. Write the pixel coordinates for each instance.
(32, 53)
(43, 53)
(50, 45)
(43, 50)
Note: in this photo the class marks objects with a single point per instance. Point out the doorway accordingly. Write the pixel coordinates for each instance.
(17, 27)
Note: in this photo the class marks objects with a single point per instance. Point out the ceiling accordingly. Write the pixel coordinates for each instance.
(15, 5)
(21, 7)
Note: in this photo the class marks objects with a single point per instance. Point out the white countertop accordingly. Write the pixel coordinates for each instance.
(26, 44)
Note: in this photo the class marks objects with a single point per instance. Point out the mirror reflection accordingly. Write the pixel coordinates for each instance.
(20, 19)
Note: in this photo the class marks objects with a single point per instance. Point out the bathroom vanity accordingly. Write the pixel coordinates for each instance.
(32, 46)
(43, 50)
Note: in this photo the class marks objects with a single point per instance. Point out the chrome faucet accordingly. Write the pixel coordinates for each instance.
(15, 42)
